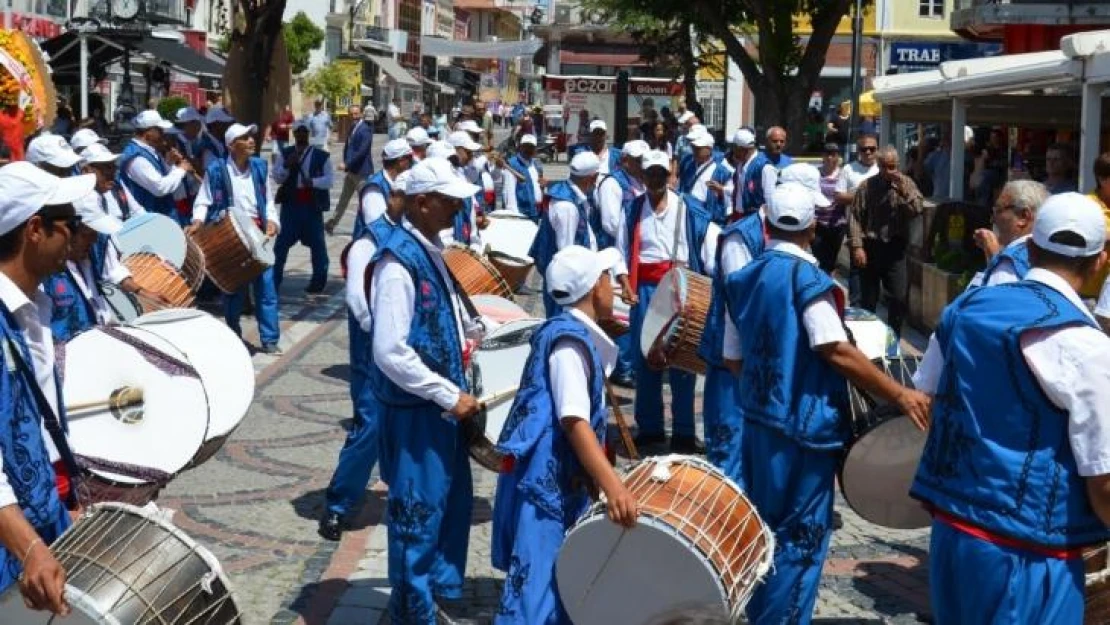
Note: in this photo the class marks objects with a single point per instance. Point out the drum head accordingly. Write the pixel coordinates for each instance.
(217, 354)
(123, 304)
(878, 471)
(261, 247)
(163, 433)
(665, 307)
(511, 235)
(83, 610)
(154, 234)
(498, 308)
(873, 337)
(607, 574)
(498, 365)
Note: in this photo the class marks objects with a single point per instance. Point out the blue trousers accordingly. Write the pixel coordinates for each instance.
(649, 384)
(305, 226)
(265, 308)
(425, 462)
(625, 355)
(360, 450)
(974, 581)
(792, 488)
(10, 567)
(722, 423)
(530, 595)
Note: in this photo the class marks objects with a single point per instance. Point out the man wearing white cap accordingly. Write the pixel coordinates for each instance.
(217, 121)
(374, 196)
(1020, 375)
(720, 185)
(696, 169)
(189, 124)
(305, 174)
(599, 135)
(422, 333)
(115, 200)
(419, 141)
(524, 190)
(466, 228)
(241, 183)
(555, 436)
(745, 151)
(659, 232)
(478, 169)
(37, 222)
(143, 171)
(763, 173)
(84, 138)
(795, 359)
(51, 153)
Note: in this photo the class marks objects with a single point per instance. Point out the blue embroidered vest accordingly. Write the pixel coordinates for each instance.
(376, 183)
(688, 171)
(544, 246)
(753, 179)
(787, 386)
(362, 358)
(526, 201)
(718, 207)
(163, 205)
(750, 231)
(697, 226)
(998, 454)
(71, 312)
(1017, 254)
(321, 198)
(544, 462)
(219, 184)
(434, 334)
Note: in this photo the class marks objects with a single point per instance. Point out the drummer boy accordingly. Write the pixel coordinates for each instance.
(554, 439)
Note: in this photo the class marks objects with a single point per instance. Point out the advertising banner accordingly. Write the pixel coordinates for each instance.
(585, 98)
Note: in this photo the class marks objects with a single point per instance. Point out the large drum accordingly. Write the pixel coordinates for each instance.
(235, 251)
(129, 454)
(509, 237)
(129, 565)
(675, 320)
(124, 305)
(498, 308)
(222, 362)
(156, 275)
(698, 541)
(156, 234)
(1096, 566)
(474, 273)
(881, 461)
(495, 369)
(871, 335)
(618, 325)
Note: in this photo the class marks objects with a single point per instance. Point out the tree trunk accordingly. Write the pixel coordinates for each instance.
(783, 102)
(255, 38)
(689, 69)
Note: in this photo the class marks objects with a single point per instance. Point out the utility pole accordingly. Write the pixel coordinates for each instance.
(857, 58)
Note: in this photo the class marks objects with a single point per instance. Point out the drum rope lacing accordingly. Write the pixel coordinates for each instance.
(164, 362)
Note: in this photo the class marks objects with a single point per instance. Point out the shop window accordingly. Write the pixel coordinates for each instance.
(930, 8)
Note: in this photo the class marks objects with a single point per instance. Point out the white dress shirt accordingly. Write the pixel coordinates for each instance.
(853, 174)
(770, 179)
(477, 172)
(728, 186)
(609, 197)
(738, 176)
(703, 173)
(564, 220)
(820, 318)
(1004, 273)
(323, 181)
(603, 169)
(242, 191)
(657, 235)
(144, 174)
(358, 259)
(33, 319)
(509, 190)
(1072, 366)
(373, 204)
(108, 203)
(393, 296)
(569, 365)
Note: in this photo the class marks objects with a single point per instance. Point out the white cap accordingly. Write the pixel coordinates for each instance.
(574, 270)
(53, 150)
(300, 124)
(25, 189)
(98, 153)
(599, 124)
(468, 125)
(395, 149)
(417, 136)
(807, 176)
(1067, 212)
(790, 207)
(528, 140)
(656, 158)
(217, 115)
(84, 138)
(635, 148)
(236, 131)
(698, 129)
(88, 209)
(187, 114)
(685, 117)
(440, 149)
(744, 138)
(584, 163)
(150, 119)
(401, 182)
(701, 139)
(460, 139)
(437, 175)
(969, 134)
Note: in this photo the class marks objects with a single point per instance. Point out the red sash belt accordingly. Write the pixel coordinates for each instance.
(184, 207)
(652, 273)
(61, 480)
(304, 195)
(1060, 553)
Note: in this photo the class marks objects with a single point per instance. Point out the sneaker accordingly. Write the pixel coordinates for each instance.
(271, 348)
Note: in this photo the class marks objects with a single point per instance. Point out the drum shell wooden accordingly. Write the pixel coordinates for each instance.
(208, 449)
(154, 274)
(475, 274)
(93, 489)
(514, 271)
(679, 345)
(192, 270)
(228, 260)
(1097, 604)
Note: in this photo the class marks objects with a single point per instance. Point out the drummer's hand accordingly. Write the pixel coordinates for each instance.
(621, 506)
(628, 297)
(271, 229)
(466, 407)
(187, 165)
(916, 406)
(43, 581)
(483, 222)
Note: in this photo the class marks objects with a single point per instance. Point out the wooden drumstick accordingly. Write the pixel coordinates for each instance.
(622, 425)
(123, 397)
(487, 400)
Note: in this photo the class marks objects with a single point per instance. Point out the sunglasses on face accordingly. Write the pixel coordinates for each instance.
(869, 148)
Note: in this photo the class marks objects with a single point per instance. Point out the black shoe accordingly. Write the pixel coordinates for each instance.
(315, 287)
(647, 440)
(687, 445)
(271, 348)
(837, 522)
(442, 618)
(331, 526)
(623, 380)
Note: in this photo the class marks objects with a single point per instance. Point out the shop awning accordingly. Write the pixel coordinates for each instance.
(106, 48)
(183, 58)
(605, 59)
(440, 87)
(394, 70)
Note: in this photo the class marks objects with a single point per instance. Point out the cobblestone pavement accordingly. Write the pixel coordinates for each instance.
(256, 503)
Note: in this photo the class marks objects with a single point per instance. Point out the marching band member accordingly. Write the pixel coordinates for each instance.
(1006, 246)
(524, 192)
(662, 230)
(374, 196)
(37, 220)
(188, 140)
(84, 138)
(599, 137)
(143, 171)
(216, 124)
(746, 151)
(720, 192)
(795, 358)
(115, 200)
(1016, 468)
(696, 170)
(420, 331)
(419, 141)
(360, 450)
(241, 183)
(307, 195)
(466, 229)
(761, 175)
(556, 431)
(52, 154)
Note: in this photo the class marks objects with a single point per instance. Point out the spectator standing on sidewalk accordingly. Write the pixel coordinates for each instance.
(279, 130)
(832, 221)
(319, 125)
(852, 176)
(357, 161)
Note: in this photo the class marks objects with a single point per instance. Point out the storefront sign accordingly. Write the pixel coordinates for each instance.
(919, 56)
(589, 97)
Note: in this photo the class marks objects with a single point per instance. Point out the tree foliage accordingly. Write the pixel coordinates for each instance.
(330, 82)
(302, 36)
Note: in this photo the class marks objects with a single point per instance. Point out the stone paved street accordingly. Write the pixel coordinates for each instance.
(256, 503)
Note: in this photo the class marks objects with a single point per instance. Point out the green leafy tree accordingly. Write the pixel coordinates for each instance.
(168, 106)
(301, 36)
(330, 82)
